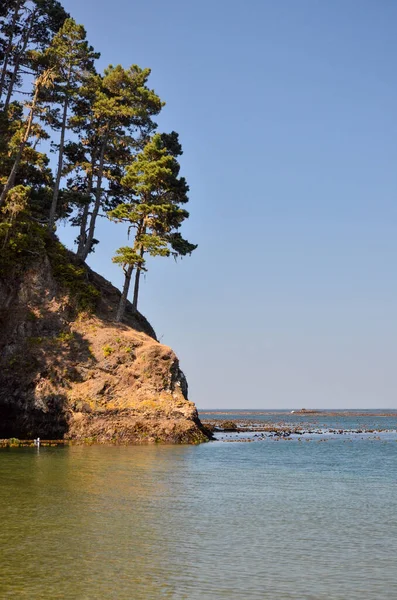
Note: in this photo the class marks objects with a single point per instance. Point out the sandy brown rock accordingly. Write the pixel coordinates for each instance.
(75, 375)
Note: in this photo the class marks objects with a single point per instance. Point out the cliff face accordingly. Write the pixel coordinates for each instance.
(66, 372)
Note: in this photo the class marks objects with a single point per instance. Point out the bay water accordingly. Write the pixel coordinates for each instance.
(308, 518)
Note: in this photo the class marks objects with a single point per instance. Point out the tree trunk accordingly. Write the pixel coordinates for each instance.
(9, 47)
(136, 285)
(98, 197)
(83, 229)
(86, 210)
(124, 294)
(18, 61)
(55, 195)
(11, 178)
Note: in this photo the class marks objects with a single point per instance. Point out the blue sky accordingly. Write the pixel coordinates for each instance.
(287, 114)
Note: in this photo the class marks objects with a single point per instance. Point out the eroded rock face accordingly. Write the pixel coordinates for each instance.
(82, 376)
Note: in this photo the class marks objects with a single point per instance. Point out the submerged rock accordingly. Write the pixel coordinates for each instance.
(228, 426)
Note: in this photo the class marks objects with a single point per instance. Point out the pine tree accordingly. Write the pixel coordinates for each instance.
(9, 29)
(28, 27)
(44, 80)
(120, 110)
(72, 60)
(112, 160)
(156, 194)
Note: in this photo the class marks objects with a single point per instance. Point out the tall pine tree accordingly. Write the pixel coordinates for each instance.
(44, 80)
(154, 211)
(27, 29)
(72, 59)
(120, 109)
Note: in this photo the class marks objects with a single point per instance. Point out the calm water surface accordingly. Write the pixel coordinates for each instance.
(355, 419)
(276, 520)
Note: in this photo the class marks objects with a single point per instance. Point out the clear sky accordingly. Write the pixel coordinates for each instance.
(286, 111)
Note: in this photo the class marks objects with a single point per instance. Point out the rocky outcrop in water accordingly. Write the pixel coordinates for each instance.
(67, 370)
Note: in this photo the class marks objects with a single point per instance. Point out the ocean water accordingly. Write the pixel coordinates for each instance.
(293, 519)
(326, 419)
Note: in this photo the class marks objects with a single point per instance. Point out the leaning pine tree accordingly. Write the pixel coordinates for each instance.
(156, 193)
(44, 80)
(25, 32)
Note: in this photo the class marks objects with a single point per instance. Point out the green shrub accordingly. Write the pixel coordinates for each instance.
(72, 277)
(21, 242)
(65, 336)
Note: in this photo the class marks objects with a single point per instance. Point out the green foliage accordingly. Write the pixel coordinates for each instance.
(72, 277)
(71, 56)
(128, 256)
(72, 59)
(112, 118)
(107, 351)
(26, 29)
(33, 172)
(65, 337)
(156, 193)
(110, 158)
(21, 241)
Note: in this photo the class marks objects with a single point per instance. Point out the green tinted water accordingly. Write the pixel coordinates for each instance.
(288, 520)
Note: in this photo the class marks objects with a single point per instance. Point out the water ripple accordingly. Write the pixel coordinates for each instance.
(253, 521)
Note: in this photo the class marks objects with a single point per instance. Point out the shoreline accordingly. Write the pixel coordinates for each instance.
(17, 443)
(317, 413)
(252, 433)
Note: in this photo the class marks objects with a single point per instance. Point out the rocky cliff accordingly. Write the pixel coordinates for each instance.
(67, 370)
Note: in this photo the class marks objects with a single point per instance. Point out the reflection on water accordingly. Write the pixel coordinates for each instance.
(289, 520)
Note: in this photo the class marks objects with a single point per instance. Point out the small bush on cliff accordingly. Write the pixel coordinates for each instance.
(22, 240)
(65, 337)
(107, 351)
(72, 277)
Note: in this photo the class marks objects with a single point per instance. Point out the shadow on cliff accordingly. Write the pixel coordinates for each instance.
(39, 361)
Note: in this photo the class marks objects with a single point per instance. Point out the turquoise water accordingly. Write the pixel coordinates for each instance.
(296, 519)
